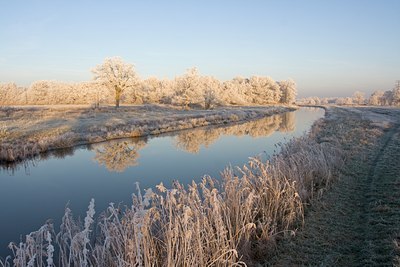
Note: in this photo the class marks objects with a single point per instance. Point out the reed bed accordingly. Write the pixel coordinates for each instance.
(227, 222)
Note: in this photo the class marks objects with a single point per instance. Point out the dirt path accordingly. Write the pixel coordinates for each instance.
(357, 222)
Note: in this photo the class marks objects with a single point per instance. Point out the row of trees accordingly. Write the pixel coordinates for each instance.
(377, 98)
(116, 81)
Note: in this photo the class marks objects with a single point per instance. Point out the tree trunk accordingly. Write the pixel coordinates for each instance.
(117, 97)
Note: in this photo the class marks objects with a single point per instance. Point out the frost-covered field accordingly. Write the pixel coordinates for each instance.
(26, 131)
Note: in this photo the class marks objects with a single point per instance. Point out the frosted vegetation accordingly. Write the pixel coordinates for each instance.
(116, 81)
(377, 98)
(222, 222)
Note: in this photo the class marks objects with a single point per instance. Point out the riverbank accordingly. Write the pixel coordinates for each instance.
(28, 131)
(357, 222)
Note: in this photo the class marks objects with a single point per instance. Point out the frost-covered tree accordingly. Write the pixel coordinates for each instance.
(387, 98)
(151, 90)
(188, 88)
(11, 94)
(376, 98)
(313, 100)
(38, 92)
(339, 101)
(344, 101)
(233, 91)
(316, 100)
(263, 90)
(324, 101)
(167, 91)
(209, 98)
(6, 92)
(92, 93)
(211, 89)
(289, 91)
(396, 95)
(117, 76)
(256, 91)
(358, 98)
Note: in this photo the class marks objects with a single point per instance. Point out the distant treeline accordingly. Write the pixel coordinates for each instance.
(377, 98)
(191, 89)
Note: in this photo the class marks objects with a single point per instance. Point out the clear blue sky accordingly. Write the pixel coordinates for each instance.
(330, 48)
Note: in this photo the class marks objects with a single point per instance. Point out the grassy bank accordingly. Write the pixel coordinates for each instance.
(357, 223)
(28, 131)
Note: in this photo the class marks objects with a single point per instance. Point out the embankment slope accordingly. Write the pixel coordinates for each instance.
(357, 222)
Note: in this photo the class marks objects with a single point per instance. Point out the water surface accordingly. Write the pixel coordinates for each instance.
(30, 195)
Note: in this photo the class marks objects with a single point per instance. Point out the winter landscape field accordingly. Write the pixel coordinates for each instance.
(180, 133)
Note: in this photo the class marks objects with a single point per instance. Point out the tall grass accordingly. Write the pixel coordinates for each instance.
(224, 222)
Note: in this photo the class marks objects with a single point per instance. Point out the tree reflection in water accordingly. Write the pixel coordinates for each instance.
(11, 167)
(116, 156)
(288, 122)
(192, 140)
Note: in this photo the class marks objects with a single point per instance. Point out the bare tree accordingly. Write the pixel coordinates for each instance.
(116, 75)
